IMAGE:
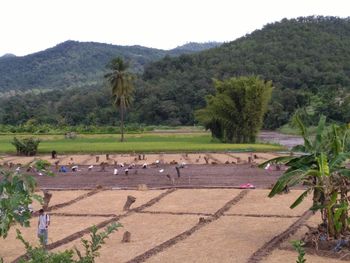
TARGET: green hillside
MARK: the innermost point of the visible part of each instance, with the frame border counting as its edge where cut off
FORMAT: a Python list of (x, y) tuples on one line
[(76, 64), (193, 47), (308, 60)]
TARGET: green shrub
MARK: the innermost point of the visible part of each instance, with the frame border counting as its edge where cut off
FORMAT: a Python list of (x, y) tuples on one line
[(90, 253), (43, 166), (26, 146)]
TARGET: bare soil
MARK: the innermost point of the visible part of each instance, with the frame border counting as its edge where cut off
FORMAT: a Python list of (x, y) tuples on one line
[(192, 176), (178, 223), (225, 240), (166, 228)]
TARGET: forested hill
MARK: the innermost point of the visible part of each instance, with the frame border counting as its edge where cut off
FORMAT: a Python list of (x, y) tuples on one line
[(193, 47), (76, 64), (308, 60)]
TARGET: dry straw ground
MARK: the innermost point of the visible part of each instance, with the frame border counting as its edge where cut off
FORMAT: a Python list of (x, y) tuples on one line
[(168, 230), (176, 225)]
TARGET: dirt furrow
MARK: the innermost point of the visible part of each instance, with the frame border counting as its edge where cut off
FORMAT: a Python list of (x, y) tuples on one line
[(175, 213), (84, 215), (70, 202), (259, 215), (272, 244), (170, 242), (102, 224)]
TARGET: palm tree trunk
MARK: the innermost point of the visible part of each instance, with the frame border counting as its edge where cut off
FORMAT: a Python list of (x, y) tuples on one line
[(122, 122)]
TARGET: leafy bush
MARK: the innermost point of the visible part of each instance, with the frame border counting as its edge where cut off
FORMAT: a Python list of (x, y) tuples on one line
[(27, 146), (15, 197), (91, 247), (43, 167)]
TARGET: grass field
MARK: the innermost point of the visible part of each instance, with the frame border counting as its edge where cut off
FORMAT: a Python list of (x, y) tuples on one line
[(102, 143)]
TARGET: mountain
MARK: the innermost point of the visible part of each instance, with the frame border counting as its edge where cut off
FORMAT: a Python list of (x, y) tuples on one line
[(8, 55), (75, 64), (193, 47), (308, 60)]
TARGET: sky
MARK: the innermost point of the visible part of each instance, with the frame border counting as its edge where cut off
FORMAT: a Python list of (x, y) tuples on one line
[(28, 26)]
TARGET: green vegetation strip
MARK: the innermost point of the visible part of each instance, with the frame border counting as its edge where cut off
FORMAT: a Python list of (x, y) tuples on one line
[(103, 143)]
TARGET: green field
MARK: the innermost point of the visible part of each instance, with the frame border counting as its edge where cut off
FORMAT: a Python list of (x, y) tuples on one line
[(103, 143)]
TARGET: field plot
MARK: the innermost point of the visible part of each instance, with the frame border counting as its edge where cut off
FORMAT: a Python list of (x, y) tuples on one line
[(194, 201), (146, 231), (313, 221), (225, 240), (59, 197), (109, 202), (178, 225), (258, 203), (60, 227)]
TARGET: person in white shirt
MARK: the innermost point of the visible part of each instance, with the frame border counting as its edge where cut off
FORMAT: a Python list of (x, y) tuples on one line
[(43, 225)]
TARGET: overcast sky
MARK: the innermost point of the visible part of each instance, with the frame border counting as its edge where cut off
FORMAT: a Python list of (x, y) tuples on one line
[(29, 26)]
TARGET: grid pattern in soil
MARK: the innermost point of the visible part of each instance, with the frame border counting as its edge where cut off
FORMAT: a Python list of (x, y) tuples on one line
[(162, 234)]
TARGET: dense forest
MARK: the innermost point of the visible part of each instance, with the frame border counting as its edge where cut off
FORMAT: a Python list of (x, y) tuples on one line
[(307, 59), (73, 64)]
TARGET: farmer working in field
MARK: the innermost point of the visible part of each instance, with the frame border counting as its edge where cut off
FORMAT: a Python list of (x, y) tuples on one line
[(43, 225)]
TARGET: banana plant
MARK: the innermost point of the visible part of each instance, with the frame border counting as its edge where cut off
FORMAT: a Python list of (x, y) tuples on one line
[(16, 194), (319, 165)]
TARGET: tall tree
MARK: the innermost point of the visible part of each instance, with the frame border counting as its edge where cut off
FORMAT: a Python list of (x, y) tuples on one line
[(122, 88), (235, 113)]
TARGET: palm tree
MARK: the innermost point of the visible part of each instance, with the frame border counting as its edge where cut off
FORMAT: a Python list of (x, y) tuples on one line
[(122, 88), (321, 169)]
